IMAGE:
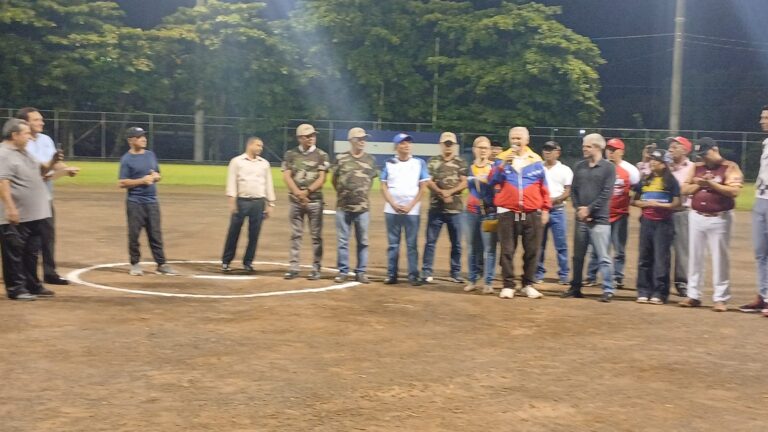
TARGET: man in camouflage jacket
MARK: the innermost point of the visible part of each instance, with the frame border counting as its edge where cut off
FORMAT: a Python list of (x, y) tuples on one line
[(353, 175), (304, 169), (448, 178)]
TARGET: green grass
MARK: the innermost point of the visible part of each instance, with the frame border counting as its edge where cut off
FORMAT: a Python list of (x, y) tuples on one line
[(105, 173)]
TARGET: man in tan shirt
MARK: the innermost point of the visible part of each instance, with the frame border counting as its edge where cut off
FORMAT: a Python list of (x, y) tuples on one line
[(251, 195)]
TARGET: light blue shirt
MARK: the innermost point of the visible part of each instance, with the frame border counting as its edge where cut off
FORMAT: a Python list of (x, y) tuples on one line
[(42, 149)]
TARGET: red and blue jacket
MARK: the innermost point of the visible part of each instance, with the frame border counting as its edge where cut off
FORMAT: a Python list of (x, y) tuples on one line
[(525, 190)]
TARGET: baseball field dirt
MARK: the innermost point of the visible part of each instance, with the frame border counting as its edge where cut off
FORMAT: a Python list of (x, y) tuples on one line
[(360, 358)]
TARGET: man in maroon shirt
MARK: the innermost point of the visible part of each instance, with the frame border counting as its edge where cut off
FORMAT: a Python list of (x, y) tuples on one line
[(713, 185)]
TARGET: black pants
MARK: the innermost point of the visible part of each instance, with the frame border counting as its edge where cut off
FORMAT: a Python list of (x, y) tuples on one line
[(528, 226), (46, 244), (253, 210), (20, 257), (147, 216), (654, 259)]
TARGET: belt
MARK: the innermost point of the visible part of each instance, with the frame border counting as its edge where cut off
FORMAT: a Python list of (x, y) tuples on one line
[(710, 214), (519, 216), (250, 199)]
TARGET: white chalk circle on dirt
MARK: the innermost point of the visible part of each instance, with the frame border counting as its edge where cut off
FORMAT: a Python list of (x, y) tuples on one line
[(75, 276)]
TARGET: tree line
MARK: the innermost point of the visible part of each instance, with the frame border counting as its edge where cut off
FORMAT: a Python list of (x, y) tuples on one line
[(466, 64)]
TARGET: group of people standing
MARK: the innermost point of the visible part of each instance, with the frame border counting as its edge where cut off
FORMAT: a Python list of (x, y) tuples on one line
[(517, 196), (29, 162), (513, 194)]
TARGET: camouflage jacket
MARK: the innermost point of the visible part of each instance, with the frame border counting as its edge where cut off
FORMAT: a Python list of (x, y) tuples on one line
[(353, 178), (446, 175), (305, 168)]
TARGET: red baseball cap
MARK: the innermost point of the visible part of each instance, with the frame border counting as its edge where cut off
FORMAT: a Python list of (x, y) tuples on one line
[(615, 143), (682, 141)]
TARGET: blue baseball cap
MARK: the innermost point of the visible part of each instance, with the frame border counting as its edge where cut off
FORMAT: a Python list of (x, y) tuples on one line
[(402, 136)]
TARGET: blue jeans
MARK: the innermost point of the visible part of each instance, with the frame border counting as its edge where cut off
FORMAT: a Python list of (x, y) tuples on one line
[(760, 237), (435, 223), (481, 259), (597, 236), (396, 223), (557, 223), (360, 222), (619, 244)]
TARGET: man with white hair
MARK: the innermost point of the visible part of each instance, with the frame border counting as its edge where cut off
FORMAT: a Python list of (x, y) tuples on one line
[(593, 182), (519, 137), (522, 203)]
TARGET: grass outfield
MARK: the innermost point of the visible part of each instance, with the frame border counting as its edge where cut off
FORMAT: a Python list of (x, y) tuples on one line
[(105, 173)]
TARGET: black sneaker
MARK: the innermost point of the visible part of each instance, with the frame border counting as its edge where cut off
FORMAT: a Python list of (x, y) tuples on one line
[(589, 283), (572, 293), (56, 280), (390, 280), (456, 279), (606, 297), (248, 268), (618, 283), (341, 278), (682, 289), (362, 278), (416, 281), (226, 268), (43, 292), (292, 274), (314, 275)]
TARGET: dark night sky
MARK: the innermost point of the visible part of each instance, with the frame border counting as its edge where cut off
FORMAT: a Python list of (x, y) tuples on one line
[(637, 73)]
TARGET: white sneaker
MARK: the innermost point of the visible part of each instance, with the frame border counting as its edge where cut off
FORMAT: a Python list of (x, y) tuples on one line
[(507, 293), (470, 287), (165, 269), (488, 289), (531, 292), (136, 270), (429, 279)]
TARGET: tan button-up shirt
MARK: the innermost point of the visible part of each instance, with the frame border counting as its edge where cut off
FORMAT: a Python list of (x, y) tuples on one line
[(250, 178)]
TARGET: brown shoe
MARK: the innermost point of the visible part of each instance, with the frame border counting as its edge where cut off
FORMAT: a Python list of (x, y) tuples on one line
[(720, 307), (690, 303)]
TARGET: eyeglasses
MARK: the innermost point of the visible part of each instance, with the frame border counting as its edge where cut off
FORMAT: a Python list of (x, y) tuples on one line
[(448, 143)]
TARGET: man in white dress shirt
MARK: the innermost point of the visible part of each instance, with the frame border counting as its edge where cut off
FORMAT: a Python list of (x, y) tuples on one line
[(251, 195)]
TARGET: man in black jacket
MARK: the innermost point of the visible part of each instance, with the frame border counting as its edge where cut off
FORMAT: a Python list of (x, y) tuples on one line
[(593, 180)]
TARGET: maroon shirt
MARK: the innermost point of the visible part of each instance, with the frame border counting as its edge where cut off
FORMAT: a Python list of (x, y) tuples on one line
[(707, 200)]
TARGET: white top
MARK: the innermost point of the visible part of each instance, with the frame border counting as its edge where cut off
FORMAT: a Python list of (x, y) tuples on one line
[(403, 179), (634, 173), (42, 149), (761, 185), (558, 177), (250, 178)]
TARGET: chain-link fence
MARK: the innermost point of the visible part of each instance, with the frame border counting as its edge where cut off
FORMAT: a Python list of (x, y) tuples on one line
[(84, 134)]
